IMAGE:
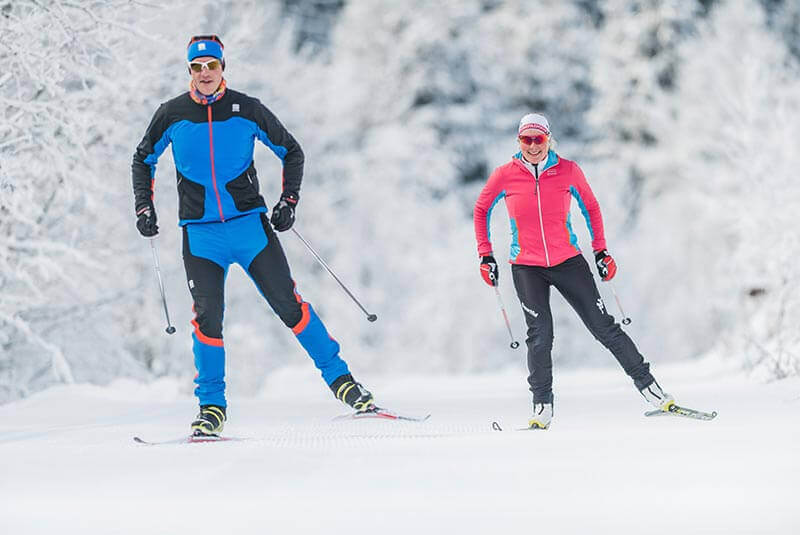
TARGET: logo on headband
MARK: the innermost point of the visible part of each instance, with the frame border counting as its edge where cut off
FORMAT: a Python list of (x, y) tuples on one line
[(535, 126), (201, 46)]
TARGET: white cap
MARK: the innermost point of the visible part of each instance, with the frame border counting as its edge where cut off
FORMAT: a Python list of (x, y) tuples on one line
[(535, 121)]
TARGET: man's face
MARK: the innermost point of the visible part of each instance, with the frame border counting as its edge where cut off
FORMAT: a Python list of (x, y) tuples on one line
[(206, 74)]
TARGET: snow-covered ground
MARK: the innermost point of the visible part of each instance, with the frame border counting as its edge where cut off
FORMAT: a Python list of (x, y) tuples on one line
[(68, 463)]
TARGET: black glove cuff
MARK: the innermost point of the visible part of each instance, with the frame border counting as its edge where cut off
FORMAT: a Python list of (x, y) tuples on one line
[(290, 197), (142, 208)]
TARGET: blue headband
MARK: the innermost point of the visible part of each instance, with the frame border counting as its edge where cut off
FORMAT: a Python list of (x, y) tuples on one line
[(204, 48)]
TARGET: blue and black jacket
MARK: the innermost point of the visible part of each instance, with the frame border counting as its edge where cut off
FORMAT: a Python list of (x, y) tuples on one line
[(212, 145)]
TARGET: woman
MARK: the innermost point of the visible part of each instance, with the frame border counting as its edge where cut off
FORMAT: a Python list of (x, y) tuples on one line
[(537, 185)]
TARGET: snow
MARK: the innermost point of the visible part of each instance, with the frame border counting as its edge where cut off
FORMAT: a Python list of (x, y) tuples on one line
[(68, 461)]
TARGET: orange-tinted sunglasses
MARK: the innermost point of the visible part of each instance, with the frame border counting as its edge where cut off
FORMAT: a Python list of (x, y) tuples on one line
[(533, 140)]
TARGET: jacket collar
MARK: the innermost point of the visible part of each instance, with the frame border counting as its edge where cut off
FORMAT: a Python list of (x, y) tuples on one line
[(200, 98), (551, 160)]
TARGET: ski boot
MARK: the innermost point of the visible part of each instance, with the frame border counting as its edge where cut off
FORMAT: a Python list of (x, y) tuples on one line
[(657, 397), (348, 391), (210, 421), (542, 416)]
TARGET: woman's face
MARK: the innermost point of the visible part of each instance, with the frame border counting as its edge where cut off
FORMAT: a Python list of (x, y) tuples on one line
[(533, 144)]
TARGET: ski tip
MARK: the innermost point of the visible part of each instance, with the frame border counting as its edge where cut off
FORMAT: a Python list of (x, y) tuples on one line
[(139, 440)]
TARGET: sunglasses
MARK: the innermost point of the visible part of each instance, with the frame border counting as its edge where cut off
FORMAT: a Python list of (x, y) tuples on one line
[(533, 140), (211, 65)]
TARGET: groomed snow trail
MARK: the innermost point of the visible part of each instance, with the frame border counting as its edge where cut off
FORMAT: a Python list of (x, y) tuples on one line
[(68, 463)]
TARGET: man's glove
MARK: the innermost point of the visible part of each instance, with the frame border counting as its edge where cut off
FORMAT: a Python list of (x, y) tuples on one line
[(606, 266), (489, 270), (146, 221), (283, 213)]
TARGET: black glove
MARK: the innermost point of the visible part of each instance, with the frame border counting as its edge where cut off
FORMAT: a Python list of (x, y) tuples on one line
[(283, 213), (146, 221), (489, 270), (606, 266)]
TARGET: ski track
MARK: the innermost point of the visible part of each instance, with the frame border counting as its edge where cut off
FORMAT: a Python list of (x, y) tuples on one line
[(68, 461)]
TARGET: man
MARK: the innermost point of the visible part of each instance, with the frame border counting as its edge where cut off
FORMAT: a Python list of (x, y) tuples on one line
[(213, 130)]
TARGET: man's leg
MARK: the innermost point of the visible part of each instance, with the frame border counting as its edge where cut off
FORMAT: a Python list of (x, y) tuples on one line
[(574, 281), (206, 279), (534, 296), (270, 272)]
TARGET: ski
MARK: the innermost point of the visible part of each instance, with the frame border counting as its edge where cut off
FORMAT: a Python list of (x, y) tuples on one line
[(677, 410), (190, 439), (496, 427), (382, 414)]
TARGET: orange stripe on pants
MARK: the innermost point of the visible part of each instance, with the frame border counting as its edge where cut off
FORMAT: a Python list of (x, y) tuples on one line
[(304, 319), (216, 342)]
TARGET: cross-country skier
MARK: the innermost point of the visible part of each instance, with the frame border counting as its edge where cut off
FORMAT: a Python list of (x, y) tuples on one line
[(537, 185), (212, 130)]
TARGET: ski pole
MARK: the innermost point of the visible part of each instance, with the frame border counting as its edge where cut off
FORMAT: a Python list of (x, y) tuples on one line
[(625, 319), (514, 343), (170, 328), (370, 317)]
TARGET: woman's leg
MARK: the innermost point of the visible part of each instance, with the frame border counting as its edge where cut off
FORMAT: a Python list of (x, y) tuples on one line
[(574, 281), (533, 291)]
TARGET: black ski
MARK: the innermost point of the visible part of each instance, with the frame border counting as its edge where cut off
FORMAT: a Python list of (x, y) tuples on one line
[(677, 410)]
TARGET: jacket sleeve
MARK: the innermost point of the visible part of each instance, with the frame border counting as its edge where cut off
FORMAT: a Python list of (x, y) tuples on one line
[(143, 169), (490, 195), (275, 136), (590, 208)]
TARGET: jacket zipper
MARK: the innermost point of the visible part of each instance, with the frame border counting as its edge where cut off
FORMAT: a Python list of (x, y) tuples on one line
[(213, 172), (541, 220)]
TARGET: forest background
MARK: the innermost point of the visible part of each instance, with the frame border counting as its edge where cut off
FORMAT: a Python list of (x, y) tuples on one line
[(684, 115)]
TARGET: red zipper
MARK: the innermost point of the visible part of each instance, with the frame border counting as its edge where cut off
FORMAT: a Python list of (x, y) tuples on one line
[(213, 173)]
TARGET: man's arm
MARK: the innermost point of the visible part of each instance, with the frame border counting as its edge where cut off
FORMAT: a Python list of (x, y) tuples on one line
[(275, 136), (143, 168)]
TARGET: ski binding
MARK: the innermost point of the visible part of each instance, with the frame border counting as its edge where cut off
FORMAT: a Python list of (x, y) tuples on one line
[(677, 410)]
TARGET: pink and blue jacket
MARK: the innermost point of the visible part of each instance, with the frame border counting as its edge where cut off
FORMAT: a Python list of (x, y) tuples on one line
[(538, 209)]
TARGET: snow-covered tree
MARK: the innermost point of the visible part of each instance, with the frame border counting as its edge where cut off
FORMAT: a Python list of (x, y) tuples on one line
[(403, 109), (63, 274), (737, 119)]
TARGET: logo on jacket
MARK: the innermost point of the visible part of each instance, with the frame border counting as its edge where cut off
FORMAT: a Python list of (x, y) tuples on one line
[(235, 108)]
